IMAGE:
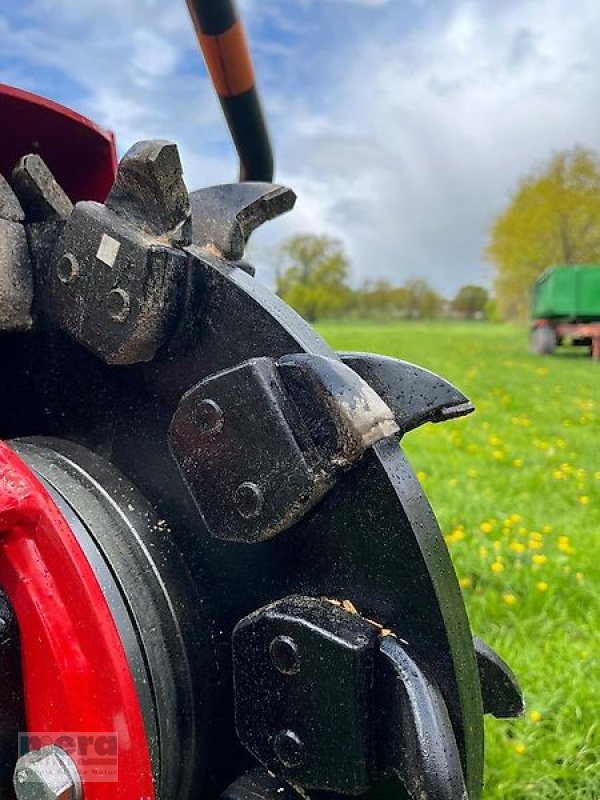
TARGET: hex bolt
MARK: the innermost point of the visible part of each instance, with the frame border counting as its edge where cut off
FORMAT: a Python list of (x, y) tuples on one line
[(249, 500), (47, 774), (284, 655), (208, 417), (118, 305), (288, 749), (67, 268)]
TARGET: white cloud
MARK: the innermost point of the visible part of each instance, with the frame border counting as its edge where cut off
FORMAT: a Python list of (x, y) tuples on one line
[(428, 134), (404, 138)]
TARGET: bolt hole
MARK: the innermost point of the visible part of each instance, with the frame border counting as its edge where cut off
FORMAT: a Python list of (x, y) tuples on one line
[(288, 749), (208, 417), (248, 500), (67, 268), (284, 655), (118, 305)]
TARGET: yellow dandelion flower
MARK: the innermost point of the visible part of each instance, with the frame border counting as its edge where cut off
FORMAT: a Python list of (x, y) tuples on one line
[(580, 578), (486, 527), (498, 547), (421, 475), (584, 500), (494, 441), (565, 547), (558, 474), (597, 476), (452, 483), (483, 552), (509, 599), (539, 559), (464, 583), (547, 529), (518, 463), (517, 547), (536, 536), (535, 716), (541, 586), (515, 518), (497, 567), (519, 749), (499, 455), (535, 544)]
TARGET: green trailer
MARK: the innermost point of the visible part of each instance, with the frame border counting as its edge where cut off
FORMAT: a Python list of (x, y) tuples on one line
[(565, 307)]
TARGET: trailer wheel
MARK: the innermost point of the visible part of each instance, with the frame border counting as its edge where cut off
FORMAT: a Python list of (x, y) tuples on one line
[(543, 341)]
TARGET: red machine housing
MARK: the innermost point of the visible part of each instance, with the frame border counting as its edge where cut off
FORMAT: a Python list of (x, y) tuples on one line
[(81, 154)]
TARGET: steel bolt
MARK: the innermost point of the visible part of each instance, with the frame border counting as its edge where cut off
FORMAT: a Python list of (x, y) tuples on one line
[(118, 305), (288, 749), (208, 417), (47, 774), (284, 655), (67, 268), (248, 500)]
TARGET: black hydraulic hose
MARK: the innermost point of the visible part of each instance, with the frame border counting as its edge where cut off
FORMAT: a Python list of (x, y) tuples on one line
[(223, 41)]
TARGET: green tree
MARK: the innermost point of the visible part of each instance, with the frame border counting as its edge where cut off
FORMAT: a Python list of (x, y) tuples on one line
[(471, 301), (553, 218), (423, 301), (380, 299), (313, 275)]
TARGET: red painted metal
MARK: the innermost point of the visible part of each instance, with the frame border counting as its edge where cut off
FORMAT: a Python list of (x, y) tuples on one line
[(582, 330), (81, 155), (75, 670)]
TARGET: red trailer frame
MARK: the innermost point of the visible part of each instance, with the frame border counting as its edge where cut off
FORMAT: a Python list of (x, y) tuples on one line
[(575, 330)]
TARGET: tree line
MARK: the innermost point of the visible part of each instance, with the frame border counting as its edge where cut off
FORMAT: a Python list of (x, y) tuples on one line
[(552, 218), (313, 276)]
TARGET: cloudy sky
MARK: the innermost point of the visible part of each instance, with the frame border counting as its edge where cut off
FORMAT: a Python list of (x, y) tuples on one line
[(403, 125)]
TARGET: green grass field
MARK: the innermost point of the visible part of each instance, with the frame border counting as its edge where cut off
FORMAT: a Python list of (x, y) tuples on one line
[(516, 489)]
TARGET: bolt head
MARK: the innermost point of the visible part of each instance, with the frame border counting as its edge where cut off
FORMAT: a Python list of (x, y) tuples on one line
[(46, 774)]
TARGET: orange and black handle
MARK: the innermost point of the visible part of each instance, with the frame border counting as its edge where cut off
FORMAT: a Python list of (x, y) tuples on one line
[(225, 47)]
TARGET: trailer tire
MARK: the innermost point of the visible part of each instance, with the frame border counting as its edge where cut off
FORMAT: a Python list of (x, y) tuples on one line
[(543, 340)]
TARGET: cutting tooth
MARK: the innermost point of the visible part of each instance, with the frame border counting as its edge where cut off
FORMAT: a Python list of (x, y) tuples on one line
[(418, 742), (500, 690), (414, 394), (225, 216)]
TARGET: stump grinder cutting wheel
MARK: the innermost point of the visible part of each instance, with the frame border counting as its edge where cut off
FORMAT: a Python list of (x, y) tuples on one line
[(219, 576)]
